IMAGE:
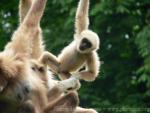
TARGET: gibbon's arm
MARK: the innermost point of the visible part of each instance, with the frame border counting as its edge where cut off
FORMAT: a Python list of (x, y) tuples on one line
[(24, 6), (82, 19), (35, 13), (92, 68), (51, 60)]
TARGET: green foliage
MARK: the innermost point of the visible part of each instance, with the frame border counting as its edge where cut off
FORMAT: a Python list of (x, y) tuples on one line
[(123, 27)]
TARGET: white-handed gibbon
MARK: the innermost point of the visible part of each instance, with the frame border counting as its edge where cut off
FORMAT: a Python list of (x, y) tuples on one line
[(81, 52), (16, 68)]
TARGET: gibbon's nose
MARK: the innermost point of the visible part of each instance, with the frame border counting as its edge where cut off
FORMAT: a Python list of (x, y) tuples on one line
[(85, 44)]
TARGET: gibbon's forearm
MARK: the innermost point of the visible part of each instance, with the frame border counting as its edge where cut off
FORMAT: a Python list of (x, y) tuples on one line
[(82, 19), (35, 13), (87, 75), (24, 6)]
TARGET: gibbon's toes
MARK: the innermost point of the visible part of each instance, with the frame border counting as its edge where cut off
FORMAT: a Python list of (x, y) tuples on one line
[(27, 107)]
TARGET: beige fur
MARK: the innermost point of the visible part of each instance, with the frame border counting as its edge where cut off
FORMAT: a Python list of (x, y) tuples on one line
[(19, 69), (16, 66), (72, 58)]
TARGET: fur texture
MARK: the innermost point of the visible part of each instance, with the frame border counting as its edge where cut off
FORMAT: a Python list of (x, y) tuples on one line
[(81, 52), (16, 66)]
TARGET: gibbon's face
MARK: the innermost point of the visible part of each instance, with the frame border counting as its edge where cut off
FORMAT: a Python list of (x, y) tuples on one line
[(89, 41)]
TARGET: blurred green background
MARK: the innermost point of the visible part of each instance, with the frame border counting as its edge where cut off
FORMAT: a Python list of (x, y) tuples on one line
[(124, 30)]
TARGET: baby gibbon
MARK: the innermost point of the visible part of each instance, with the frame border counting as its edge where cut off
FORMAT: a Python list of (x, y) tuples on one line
[(81, 52)]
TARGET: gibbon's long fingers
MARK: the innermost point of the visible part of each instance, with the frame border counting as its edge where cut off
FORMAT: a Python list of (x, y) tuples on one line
[(24, 7), (50, 60), (35, 13), (82, 19), (65, 104)]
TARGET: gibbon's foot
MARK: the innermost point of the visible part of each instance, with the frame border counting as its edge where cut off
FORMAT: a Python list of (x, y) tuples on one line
[(71, 83), (27, 107), (66, 104)]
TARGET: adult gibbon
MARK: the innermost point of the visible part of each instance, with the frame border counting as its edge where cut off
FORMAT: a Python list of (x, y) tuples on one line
[(16, 68)]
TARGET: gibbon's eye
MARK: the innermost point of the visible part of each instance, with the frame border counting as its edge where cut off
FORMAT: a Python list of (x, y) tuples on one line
[(33, 68), (41, 69), (85, 44)]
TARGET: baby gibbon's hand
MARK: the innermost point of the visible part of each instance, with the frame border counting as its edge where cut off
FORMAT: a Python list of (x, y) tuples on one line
[(70, 84)]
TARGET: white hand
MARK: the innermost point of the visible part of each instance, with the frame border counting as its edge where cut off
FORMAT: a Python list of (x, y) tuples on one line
[(71, 83)]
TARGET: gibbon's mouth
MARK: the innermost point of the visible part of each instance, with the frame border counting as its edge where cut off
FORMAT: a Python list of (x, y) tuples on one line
[(85, 44)]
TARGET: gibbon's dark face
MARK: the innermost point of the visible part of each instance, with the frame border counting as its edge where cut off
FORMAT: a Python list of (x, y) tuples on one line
[(85, 44)]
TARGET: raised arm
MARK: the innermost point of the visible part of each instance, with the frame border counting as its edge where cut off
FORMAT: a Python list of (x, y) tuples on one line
[(24, 6), (82, 19), (35, 13)]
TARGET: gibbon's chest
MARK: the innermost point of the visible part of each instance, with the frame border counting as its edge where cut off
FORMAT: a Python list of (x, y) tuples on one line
[(73, 62)]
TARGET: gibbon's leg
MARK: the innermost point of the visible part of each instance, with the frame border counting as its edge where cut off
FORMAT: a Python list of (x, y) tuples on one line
[(61, 87), (24, 6), (82, 19), (92, 71), (65, 104), (50, 60), (84, 110)]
